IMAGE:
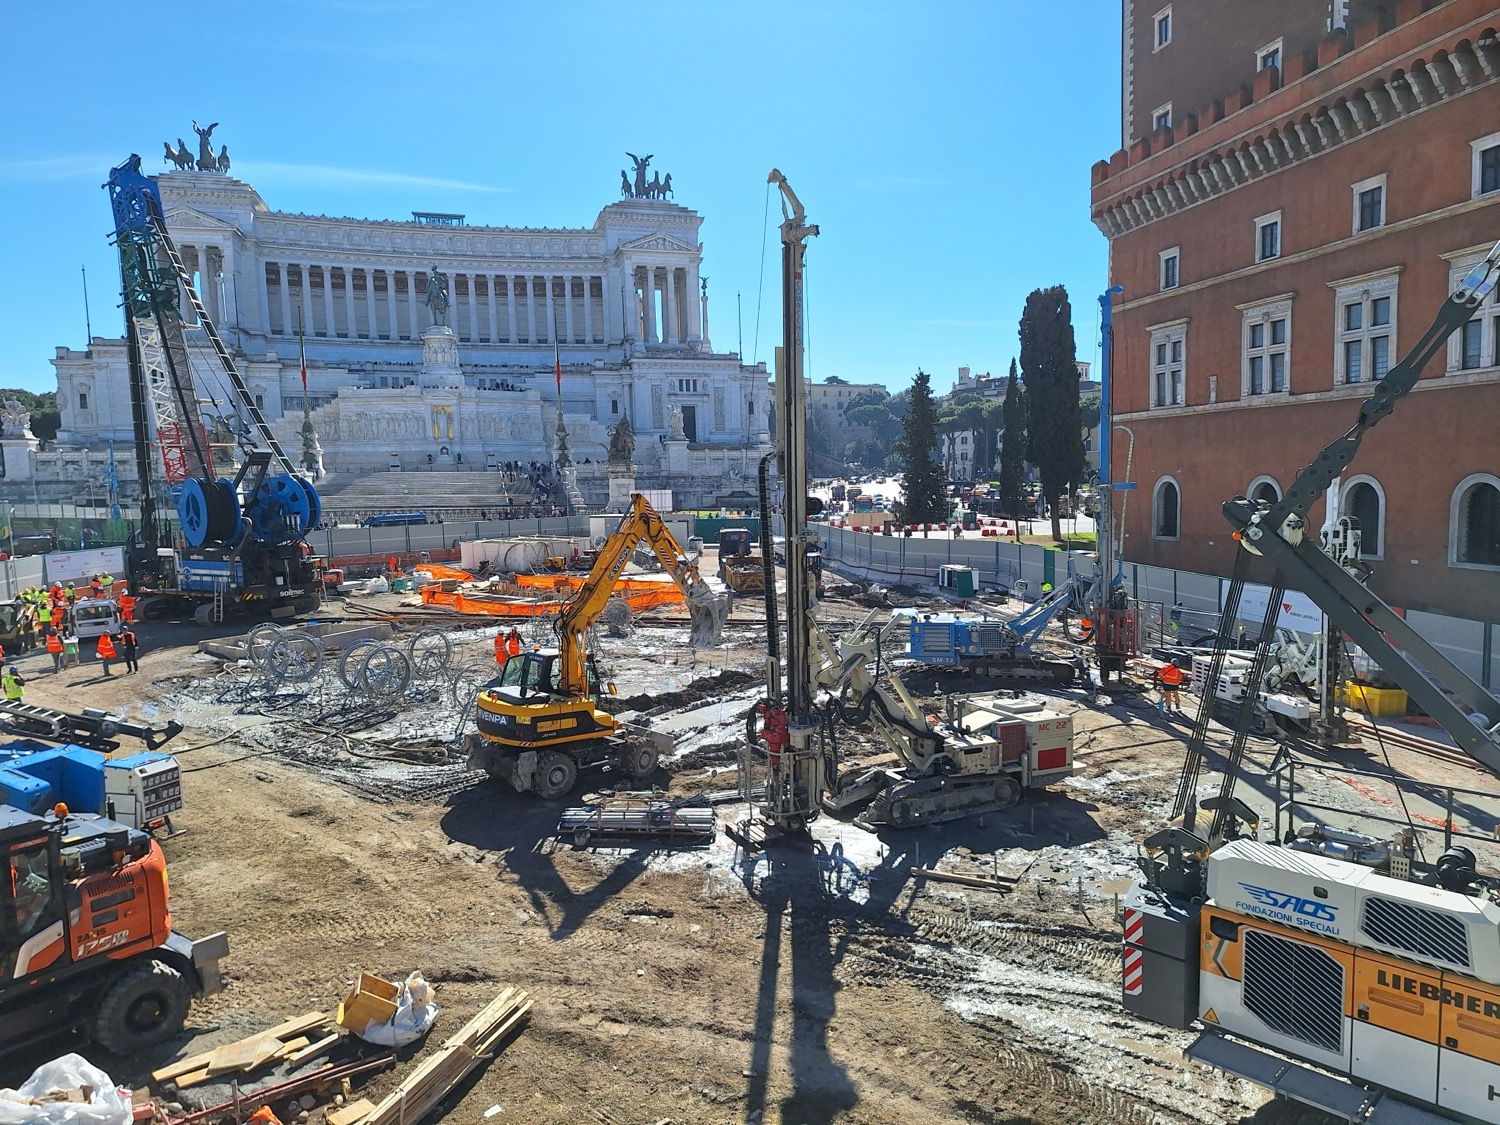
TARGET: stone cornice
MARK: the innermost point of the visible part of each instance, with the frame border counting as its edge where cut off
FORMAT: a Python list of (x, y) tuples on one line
[(1220, 159)]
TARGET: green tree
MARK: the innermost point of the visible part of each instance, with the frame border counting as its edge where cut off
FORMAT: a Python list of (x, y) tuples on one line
[(1013, 444), (1049, 364), (924, 489)]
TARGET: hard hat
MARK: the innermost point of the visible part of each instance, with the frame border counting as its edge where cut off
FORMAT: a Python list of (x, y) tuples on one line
[(13, 670)]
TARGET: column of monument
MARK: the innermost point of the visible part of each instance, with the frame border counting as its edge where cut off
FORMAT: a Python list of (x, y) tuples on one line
[(669, 310)]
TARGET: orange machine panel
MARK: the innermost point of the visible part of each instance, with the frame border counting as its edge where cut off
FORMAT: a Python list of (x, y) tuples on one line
[(1397, 997)]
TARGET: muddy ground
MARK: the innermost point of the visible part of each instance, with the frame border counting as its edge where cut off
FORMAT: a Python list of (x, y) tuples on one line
[(810, 983)]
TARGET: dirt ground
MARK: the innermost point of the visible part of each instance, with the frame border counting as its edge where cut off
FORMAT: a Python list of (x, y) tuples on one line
[(810, 983)]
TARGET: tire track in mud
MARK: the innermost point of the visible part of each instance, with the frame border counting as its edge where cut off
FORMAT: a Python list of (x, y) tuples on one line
[(1044, 1001)]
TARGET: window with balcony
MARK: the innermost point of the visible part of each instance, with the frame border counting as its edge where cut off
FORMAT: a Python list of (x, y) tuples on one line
[(1168, 365), (1266, 347), (1366, 330), (1476, 345), (1369, 203)]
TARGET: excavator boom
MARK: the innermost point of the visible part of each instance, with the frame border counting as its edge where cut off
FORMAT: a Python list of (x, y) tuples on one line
[(706, 609)]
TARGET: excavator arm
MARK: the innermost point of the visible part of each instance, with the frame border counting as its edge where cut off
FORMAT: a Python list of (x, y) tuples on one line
[(843, 669), (706, 609)]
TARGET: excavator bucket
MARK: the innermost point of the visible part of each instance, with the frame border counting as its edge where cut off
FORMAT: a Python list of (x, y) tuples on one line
[(707, 612)]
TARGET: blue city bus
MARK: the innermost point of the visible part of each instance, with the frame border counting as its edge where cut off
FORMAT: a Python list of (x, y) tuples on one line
[(396, 519)]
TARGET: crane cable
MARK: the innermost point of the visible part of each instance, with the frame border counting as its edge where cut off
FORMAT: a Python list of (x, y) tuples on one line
[(760, 288)]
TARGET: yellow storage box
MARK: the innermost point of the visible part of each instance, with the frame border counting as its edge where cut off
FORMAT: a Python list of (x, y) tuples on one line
[(1381, 703), (372, 1000)]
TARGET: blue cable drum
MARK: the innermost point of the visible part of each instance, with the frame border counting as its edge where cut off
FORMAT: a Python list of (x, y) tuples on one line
[(194, 512), (281, 501), (315, 504)]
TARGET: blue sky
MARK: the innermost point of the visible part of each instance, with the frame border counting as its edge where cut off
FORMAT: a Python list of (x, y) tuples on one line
[(944, 148)]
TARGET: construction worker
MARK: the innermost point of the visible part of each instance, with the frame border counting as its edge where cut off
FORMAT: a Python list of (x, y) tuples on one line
[(55, 647), (12, 684), (96, 588), (127, 606), (106, 651), (129, 647), (1169, 679), (71, 594), (513, 642), (501, 655), (57, 617)]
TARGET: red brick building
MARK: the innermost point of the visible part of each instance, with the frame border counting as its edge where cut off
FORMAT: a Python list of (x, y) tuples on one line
[(1282, 240)]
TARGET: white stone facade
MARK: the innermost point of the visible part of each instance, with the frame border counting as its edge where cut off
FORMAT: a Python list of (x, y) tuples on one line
[(622, 299)]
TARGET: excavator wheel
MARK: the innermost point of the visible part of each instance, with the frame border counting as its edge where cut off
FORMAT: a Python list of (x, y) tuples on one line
[(639, 761), (144, 1006), (555, 775)]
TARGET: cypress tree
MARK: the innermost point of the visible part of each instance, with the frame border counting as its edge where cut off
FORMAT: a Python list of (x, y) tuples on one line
[(1049, 364), (1013, 445), (924, 493)]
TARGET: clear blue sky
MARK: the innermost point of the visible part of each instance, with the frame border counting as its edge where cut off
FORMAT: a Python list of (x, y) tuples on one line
[(944, 148)]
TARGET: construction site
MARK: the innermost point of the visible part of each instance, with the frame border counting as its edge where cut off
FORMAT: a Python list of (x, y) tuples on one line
[(639, 822)]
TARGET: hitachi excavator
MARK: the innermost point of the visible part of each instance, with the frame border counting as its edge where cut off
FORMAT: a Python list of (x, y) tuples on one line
[(542, 722)]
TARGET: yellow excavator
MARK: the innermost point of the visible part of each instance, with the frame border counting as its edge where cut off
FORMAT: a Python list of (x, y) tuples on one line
[(541, 723)]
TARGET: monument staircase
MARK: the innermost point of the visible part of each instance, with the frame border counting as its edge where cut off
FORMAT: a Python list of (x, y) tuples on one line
[(430, 492)]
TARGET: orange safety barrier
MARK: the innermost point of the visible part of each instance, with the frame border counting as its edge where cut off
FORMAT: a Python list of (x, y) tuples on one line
[(638, 595), (440, 572)]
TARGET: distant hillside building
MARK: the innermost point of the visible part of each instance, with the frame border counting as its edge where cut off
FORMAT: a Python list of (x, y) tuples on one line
[(1300, 186), (958, 447)]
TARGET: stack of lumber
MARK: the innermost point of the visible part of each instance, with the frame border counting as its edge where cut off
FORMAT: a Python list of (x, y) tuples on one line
[(286, 1041), (446, 1067)]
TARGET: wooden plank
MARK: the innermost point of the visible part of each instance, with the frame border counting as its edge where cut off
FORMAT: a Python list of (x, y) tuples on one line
[(247, 1054), (352, 1113), (292, 1046), (981, 882), (281, 1031), (313, 1050)]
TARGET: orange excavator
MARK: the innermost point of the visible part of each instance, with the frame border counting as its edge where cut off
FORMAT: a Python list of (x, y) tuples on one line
[(542, 722), (86, 937)]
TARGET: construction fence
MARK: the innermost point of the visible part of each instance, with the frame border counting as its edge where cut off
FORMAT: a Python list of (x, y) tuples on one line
[(1469, 644)]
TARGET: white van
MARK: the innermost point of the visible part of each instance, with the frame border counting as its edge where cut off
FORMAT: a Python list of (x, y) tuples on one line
[(93, 617)]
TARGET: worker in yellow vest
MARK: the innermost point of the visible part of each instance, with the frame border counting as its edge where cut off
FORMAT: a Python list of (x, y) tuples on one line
[(12, 684)]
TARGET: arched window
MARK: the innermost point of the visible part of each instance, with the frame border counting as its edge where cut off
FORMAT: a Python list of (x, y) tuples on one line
[(1364, 500), (1166, 510), (1265, 489), (1474, 522)]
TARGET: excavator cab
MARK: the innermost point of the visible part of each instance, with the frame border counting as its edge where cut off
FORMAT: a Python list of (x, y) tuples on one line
[(31, 901), (532, 676)]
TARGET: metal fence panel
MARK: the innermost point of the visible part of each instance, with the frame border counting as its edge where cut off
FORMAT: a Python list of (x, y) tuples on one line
[(1459, 639)]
